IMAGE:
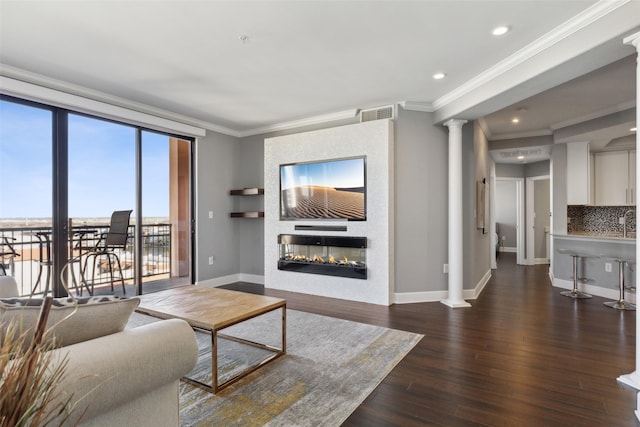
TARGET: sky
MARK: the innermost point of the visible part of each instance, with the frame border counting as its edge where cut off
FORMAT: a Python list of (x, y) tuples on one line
[(101, 172)]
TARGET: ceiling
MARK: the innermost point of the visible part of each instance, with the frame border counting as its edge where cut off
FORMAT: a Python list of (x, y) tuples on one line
[(603, 92), (243, 67)]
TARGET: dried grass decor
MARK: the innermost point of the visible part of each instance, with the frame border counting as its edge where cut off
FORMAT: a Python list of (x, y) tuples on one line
[(29, 377)]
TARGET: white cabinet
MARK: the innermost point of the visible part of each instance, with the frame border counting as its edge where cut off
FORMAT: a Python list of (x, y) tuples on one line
[(579, 187), (615, 177), (632, 177)]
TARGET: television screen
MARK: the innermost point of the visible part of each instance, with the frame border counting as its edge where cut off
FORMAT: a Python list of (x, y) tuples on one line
[(332, 189)]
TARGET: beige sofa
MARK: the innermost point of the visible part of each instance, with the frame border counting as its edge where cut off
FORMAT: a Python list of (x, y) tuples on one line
[(130, 377), (114, 376)]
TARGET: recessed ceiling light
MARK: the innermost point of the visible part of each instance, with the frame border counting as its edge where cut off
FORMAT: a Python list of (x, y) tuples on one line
[(439, 76), (633, 129), (520, 157), (515, 120), (498, 31)]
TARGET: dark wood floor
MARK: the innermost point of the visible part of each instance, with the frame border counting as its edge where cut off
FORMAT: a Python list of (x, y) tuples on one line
[(523, 355)]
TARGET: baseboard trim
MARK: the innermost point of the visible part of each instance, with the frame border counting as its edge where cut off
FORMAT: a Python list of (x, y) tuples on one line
[(251, 278), (414, 297), (508, 249), (475, 292), (537, 261), (232, 278), (612, 294), (437, 296)]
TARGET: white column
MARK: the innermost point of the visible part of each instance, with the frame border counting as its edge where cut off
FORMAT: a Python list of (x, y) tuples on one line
[(633, 379), (454, 298)]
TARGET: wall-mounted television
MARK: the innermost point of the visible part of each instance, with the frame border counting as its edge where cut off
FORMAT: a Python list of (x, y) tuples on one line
[(328, 189)]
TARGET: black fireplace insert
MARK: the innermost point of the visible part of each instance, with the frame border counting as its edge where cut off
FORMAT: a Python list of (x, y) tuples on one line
[(342, 256)]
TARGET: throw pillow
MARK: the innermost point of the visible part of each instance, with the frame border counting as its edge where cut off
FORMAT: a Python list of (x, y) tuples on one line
[(70, 320)]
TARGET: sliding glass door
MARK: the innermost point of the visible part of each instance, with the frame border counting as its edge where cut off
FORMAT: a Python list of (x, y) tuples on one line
[(101, 180), (166, 209), (62, 176), (26, 134)]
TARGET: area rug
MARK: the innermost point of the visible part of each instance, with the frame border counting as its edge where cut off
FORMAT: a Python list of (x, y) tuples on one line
[(330, 367)]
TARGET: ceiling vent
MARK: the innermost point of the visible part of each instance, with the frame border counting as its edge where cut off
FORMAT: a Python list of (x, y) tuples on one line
[(514, 153), (387, 112)]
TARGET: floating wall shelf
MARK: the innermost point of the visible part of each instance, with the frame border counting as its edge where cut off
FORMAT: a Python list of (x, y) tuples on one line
[(247, 192), (257, 214)]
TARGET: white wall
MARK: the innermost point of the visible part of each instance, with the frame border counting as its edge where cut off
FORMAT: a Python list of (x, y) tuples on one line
[(375, 141)]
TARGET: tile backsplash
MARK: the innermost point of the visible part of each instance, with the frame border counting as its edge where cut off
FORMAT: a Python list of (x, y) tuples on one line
[(599, 219)]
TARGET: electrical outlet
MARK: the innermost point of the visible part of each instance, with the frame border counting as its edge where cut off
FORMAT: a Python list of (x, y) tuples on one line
[(504, 238), (210, 214), (607, 267), (445, 268), (621, 220), (211, 260)]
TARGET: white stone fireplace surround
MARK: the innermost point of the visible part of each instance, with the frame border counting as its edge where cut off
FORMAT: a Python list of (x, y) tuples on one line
[(372, 139)]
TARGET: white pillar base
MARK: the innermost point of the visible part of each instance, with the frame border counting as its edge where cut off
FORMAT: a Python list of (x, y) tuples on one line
[(632, 380), (455, 304)]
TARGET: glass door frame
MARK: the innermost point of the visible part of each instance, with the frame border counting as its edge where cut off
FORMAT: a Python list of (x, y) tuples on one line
[(60, 190)]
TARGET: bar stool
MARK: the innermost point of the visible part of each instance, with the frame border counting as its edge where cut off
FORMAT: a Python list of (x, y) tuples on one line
[(44, 261), (577, 257), (621, 304)]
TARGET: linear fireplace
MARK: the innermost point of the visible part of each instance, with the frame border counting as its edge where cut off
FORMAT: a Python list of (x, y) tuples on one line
[(329, 255)]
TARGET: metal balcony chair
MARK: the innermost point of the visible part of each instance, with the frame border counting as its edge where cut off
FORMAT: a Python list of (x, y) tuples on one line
[(7, 252), (109, 242)]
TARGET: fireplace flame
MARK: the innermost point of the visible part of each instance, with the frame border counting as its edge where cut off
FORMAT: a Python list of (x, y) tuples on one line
[(318, 259)]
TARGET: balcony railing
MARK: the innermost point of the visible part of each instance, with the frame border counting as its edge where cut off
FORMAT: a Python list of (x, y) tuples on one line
[(32, 268)]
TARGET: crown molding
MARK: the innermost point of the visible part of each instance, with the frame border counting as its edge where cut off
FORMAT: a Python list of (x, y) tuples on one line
[(340, 115), (596, 115), (633, 39), (529, 134), (84, 92), (425, 107), (576, 23)]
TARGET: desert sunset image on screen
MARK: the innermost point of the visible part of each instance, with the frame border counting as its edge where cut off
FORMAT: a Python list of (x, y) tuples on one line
[(332, 189)]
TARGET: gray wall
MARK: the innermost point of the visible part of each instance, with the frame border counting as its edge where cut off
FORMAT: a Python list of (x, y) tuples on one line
[(476, 166), (536, 169), (421, 227), (506, 211), (216, 157), (250, 232), (509, 170), (541, 197)]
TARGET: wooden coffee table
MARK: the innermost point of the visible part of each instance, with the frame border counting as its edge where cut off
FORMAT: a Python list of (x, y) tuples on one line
[(211, 310)]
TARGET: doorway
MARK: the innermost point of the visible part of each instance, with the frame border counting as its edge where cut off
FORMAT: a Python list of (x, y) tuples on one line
[(509, 217), (538, 219)]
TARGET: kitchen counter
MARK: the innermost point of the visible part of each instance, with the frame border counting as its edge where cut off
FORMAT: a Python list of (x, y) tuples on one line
[(600, 250), (598, 237)]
